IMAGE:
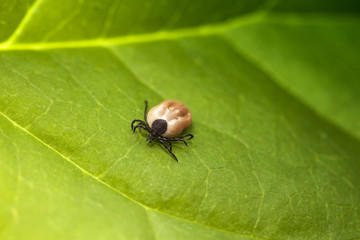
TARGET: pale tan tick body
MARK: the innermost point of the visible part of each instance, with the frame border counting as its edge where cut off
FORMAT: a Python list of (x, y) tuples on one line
[(175, 113)]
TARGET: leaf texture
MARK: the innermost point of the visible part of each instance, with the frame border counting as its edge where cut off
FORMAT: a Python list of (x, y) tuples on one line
[(276, 147)]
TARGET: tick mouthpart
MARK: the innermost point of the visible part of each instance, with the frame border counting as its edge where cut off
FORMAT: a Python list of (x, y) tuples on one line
[(150, 138)]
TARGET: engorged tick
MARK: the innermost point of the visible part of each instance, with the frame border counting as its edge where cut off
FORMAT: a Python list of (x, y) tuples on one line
[(164, 122)]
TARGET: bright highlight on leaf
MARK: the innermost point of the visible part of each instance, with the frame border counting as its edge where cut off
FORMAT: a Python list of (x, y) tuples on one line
[(274, 95)]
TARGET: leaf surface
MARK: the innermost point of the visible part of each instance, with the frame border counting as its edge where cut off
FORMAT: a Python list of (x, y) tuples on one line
[(269, 159)]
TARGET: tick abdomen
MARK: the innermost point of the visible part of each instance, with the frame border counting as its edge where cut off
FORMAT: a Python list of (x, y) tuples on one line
[(176, 115)]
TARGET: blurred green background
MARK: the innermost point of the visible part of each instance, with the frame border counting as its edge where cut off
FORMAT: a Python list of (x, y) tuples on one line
[(274, 91)]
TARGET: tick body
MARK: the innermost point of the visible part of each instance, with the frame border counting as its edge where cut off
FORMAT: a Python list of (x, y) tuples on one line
[(165, 122)]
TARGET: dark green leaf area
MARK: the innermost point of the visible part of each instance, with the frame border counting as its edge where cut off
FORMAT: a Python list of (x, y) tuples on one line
[(259, 156)]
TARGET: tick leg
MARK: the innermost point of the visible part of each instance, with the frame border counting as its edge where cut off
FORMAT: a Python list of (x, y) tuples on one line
[(187, 135), (136, 120), (169, 150), (178, 139), (145, 112), (170, 144), (137, 126), (132, 126), (140, 125)]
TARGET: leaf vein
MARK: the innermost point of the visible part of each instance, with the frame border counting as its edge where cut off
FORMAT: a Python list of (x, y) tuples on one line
[(202, 30), (23, 23)]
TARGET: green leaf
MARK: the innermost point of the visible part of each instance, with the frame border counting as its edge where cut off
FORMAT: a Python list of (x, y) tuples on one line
[(326, 78), (11, 13), (274, 99)]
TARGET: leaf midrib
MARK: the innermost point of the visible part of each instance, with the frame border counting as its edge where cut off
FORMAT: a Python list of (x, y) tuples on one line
[(202, 30)]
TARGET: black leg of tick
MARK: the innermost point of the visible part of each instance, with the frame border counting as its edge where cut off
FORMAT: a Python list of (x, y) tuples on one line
[(181, 138), (167, 148), (170, 145), (178, 139), (136, 120), (141, 125), (187, 135), (145, 112)]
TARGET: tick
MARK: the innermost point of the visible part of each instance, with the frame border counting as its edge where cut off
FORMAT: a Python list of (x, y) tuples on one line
[(165, 122)]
